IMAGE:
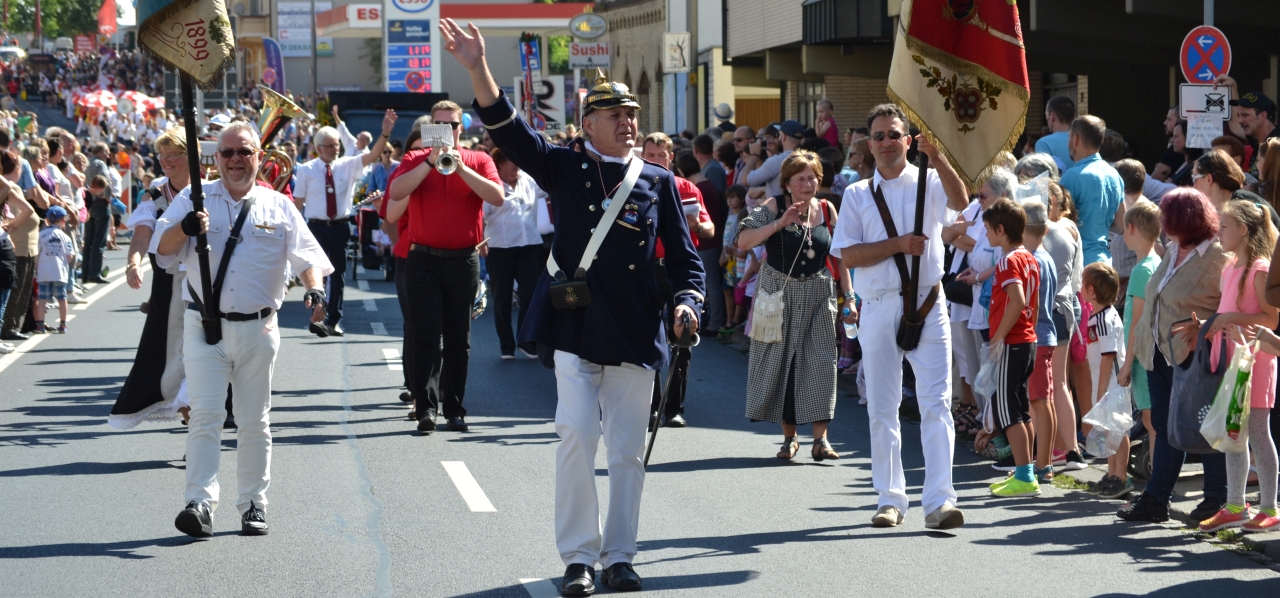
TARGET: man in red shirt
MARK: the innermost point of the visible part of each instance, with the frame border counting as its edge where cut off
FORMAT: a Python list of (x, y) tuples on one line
[(400, 253), (657, 149), (442, 271)]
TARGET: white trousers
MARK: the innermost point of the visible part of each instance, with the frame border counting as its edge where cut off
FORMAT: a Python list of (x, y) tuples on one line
[(244, 358), (931, 362), (591, 398)]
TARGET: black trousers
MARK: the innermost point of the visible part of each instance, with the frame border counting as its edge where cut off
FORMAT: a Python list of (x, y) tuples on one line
[(506, 266), (675, 400), (333, 239), (95, 243), (402, 294), (15, 314), (441, 292)]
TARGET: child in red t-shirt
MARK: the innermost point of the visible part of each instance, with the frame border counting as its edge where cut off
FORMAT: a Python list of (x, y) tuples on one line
[(1013, 326)]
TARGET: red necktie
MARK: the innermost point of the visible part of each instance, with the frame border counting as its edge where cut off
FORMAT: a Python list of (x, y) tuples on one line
[(330, 198)]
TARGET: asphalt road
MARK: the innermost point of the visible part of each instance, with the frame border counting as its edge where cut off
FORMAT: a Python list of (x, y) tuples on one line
[(360, 505)]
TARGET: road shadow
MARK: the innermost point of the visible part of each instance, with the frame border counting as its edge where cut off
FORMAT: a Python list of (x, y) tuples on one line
[(86, 468), (715, 463), (122, 550)]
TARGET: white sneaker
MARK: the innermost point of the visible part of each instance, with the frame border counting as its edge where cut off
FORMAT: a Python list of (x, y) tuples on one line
[(6, 348), (74, 299)]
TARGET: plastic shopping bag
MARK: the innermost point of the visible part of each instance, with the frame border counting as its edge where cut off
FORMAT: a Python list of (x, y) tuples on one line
[(1111, 419), (984, 388), (1230, 411)]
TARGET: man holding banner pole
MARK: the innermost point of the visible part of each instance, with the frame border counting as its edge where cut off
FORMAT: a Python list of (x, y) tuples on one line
[(951, 62)]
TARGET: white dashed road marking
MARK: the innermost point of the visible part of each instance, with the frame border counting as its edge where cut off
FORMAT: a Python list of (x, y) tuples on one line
[(363, 284), (393, 360), (378, 328), (467, 487), (369, 305)]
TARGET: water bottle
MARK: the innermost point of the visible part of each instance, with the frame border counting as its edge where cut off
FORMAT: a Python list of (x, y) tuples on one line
[(850, 330)]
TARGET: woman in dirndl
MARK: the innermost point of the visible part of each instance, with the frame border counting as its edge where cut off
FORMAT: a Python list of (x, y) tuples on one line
[(155, 387), (791, 376)]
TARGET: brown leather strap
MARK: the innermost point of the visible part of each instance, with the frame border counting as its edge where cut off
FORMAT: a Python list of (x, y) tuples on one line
[(927, 305), (908, 297)]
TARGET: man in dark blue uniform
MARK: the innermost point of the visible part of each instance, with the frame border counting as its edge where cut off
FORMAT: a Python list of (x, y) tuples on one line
[(605, 352)]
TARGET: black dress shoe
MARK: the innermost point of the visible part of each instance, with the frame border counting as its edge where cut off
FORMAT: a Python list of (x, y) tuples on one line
[(620, 577), (253, 522), (1145, 508), (426, 426), (677, 421), (457, 424), (319, 329), (1207, 508), (406, 397), (579, 580), (195, 520), (336, 329), (13, 335), (413, 414)]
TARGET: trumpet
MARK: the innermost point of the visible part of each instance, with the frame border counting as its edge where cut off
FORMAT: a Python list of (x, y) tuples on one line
[(440, 139), (448, 161)]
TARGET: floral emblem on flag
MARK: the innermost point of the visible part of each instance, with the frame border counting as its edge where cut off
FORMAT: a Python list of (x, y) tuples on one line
[(960, 96)]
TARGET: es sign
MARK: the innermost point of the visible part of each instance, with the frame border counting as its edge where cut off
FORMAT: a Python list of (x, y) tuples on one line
[(585, 55)]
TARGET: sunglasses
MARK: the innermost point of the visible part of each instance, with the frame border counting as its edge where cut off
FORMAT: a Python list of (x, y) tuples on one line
[(892, 135), (740, 139), (453, 125), (1196, 177), (243, 152)]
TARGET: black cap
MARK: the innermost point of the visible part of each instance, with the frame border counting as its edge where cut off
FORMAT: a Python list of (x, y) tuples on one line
[(792, 128), (608, 94), (1258, 101)]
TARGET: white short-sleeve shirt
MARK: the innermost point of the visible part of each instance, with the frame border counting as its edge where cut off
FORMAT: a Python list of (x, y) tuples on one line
[(310, 187), (860, 222)]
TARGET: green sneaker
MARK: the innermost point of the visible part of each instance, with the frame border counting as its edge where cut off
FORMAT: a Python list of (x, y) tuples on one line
[(1015, 487), (1001, 483)]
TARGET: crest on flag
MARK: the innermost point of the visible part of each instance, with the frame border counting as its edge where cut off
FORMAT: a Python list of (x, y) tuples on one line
[(959, 71), (192, 36)]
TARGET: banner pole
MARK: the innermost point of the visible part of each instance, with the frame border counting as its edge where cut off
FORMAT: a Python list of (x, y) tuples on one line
[(197, 199)]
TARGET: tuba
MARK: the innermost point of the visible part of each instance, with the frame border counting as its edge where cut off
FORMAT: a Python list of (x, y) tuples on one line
[(277, 111)]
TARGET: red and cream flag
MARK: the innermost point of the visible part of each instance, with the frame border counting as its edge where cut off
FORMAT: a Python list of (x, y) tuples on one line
[(960, 72)]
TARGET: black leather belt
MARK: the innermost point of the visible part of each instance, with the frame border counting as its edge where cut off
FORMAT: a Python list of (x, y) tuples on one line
[(235, 317), (468, 252), (323, 222)]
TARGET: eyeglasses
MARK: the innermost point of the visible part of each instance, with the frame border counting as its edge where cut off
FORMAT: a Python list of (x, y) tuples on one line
[(453, 125), (168, 156), (332, 146), (386, 152), (892, 135), (740, 139), (243, 152)]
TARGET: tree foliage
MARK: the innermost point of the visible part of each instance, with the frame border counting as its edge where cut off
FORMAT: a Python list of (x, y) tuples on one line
[(59, 18)]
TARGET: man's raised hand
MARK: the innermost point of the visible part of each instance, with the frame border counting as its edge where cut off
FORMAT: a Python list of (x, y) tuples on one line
[(468, 49)]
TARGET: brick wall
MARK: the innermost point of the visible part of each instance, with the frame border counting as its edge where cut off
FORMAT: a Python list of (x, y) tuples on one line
[(1035, 103), (853, 98), (635, 31)]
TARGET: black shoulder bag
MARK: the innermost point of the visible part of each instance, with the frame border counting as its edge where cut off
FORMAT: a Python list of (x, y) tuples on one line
[(210, 312)]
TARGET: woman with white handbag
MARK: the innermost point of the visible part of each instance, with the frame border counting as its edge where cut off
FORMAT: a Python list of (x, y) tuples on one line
[(791, 376)]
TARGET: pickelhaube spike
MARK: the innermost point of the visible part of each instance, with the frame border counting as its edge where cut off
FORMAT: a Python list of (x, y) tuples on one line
[(608, 94)]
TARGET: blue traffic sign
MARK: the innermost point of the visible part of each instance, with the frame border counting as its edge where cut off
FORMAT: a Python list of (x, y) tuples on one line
[(1205, 54)]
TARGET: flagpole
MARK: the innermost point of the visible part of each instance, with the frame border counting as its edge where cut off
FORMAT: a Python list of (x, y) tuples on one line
[(921, 178), (197, 205)]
